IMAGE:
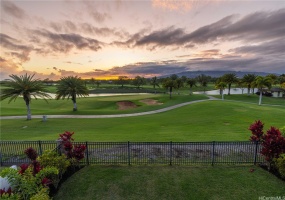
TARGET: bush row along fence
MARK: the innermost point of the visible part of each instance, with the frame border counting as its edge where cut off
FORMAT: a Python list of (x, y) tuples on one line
[(172, 153)]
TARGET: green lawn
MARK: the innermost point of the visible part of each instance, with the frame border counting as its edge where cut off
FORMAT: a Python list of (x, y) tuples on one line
[(93, 105), (204, 121), (254, 99), (166, 182)]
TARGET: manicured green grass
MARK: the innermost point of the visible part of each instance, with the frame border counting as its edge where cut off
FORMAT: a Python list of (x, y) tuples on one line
[(253, 98), (204, 121), (113, 88), (93, 105), (157, 182)]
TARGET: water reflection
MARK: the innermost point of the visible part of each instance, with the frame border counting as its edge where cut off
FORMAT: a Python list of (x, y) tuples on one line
[(233, 91)]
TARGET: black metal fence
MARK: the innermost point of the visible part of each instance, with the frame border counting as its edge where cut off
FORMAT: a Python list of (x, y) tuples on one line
[(172, 153)]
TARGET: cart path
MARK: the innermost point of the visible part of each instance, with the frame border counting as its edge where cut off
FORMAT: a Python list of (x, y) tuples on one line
[(110, 116)]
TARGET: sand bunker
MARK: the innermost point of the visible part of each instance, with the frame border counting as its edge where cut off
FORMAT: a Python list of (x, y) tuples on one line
[(124, 105), (150, 102)]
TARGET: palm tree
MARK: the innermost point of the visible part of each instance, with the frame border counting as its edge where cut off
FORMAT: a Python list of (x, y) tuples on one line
[(262, 82), (221, 86), (191, 82), (248, 79), (229, 79), (71, 86), (169, 83), (203, 80), (154, 82), (26, 87)]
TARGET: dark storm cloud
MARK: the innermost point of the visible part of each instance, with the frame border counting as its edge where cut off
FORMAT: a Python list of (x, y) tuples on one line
[(65, 42), (11, 9), (258, 26), (272, 48)]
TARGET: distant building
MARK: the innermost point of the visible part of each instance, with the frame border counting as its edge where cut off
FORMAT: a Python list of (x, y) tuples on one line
[(276, 92)]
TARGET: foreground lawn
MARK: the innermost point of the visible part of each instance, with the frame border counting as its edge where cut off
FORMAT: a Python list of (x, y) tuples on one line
[(157, 182), (204, 121), (93, 105)]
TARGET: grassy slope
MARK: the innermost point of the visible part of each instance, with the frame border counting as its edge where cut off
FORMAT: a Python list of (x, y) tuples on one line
[(254, 99), (205, 121), (157, 182)]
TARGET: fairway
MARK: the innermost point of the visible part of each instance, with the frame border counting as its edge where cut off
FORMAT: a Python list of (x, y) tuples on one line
[(204, 121)]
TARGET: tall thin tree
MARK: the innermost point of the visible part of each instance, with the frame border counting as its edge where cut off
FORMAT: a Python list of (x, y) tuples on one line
[(71, 87), (26, 87)]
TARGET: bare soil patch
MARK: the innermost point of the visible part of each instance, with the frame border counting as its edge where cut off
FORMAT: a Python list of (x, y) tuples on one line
[(124, 105), (150, 102)]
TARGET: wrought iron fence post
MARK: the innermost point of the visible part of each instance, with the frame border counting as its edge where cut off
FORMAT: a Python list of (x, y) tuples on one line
[(255, 154), (170, 163), (213, 153), (40, 147), (87, 153), (129, 154)]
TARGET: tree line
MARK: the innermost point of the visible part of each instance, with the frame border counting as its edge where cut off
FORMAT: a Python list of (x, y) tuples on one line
[(71, 87)]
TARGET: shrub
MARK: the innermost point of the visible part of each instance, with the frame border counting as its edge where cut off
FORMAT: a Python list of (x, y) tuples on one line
[(53, 159), (280, 165), (26, 184), (273, 143), (41, 195), (73, 152)]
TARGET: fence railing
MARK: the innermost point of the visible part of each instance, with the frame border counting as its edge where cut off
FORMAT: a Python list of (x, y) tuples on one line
[(172, 153)]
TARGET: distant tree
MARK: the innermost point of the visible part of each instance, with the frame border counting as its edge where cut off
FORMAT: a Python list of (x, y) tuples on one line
[(180, 84), (26, 87), (154, 82), (229, 79), (98, 83), (70, 87), (139, 81), (281, 79), (169, 83), (274, 79), (174, 77), (203, 81), (122, 80), (262, 82), (92, 81), (184, 79), (221, 86), (240, 84), (191, 82), (248, 80)]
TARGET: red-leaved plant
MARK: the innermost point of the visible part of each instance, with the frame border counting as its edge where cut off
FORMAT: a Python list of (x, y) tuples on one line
[(70, 150), (8, 192), (273, 143)]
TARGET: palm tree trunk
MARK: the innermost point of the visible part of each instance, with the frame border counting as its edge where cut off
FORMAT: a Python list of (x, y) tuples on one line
[(29, 115), (190, 91), (260, 97), (229, 92), (248, 90), (222, 94), (74, 103), (170, 92)]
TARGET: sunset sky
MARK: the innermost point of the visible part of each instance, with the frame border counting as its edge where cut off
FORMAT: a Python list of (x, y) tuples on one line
[(105, 39)]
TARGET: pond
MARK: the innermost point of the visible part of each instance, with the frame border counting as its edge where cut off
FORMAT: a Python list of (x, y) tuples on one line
[(233, 91)]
